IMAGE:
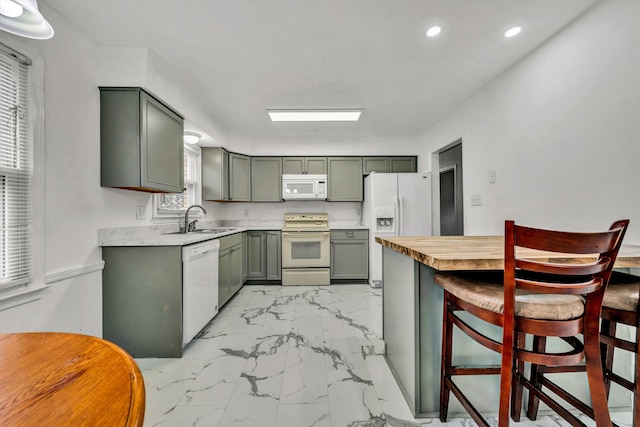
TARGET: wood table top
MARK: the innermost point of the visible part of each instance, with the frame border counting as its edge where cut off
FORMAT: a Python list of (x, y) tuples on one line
[(60, 379), (449, 253)]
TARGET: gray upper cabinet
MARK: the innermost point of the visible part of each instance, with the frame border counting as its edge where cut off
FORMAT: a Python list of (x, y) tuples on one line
[(403, 164), (141, 142), (302, 165), (215, 174), (389, 164), (375, 164), (266, 179), (239, 178), (345, 179)]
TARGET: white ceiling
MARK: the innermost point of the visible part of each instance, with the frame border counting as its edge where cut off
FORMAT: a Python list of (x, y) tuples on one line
[(242, 57)]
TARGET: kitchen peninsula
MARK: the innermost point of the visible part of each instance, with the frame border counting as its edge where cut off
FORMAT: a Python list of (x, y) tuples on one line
[(412, 316)]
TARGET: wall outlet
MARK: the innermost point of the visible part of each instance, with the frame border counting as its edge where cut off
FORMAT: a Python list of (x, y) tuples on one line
[(141, 212), (476, 200), (492, 177), (358, 211), (246, 213)]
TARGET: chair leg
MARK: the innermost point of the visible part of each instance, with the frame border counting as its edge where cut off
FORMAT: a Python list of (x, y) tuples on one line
[(608, 328), (636, 384), (516, 390), (447, 349), (537, 372), (595, 375), (506, 371)]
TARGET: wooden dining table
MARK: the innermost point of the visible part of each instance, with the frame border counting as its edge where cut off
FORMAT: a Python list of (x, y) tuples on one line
[(412, 310), (64, 379)]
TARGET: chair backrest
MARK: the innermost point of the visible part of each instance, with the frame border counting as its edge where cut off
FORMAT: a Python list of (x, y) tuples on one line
[(555, 274)]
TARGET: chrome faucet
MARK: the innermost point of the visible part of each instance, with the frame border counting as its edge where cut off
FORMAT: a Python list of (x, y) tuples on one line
[(186, 218)]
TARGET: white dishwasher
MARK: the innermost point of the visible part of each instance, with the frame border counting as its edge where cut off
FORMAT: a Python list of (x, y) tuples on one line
[(199, 287)]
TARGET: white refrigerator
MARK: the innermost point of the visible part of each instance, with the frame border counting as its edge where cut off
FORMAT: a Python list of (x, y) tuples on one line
[(395, 204)]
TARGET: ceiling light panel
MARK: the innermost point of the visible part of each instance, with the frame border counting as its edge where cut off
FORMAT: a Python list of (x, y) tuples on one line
[(314, 115)]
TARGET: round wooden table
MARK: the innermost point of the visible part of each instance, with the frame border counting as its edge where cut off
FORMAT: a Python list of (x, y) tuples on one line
[(60, 379)]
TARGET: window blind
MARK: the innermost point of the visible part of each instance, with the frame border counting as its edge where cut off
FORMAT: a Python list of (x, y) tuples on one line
[(16, 170)]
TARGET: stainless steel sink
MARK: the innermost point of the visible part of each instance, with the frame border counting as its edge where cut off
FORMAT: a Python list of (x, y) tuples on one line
[(205, 231), (214, 230)]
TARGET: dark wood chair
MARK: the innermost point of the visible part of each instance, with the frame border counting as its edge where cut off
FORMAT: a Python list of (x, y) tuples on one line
[(543, 295), (619, 307)]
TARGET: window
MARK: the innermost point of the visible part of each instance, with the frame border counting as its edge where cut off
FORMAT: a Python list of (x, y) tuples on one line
[(168, 205), (16, 170)]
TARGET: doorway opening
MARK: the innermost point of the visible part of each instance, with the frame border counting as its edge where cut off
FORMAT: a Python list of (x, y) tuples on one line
[(451, 199)]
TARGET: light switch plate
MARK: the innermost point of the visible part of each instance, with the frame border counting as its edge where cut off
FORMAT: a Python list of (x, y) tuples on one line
[(492, 177)]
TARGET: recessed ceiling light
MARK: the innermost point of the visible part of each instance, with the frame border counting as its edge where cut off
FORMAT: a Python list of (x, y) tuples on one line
[(191, 137), (314, 115), (513, 31), (433, 31)]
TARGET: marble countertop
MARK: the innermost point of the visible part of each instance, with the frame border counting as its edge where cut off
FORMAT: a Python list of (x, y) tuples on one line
[(157, 235)]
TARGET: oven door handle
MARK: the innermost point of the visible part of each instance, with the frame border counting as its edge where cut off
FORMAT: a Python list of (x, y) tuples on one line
[(320, 234)]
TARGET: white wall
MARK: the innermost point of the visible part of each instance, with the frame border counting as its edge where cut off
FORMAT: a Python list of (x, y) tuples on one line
[(349, 212), (560, 128)]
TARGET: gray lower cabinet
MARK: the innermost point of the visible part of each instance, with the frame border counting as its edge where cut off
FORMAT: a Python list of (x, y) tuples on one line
[(389, 164), (265, 255), (141, 142), (274, 255), (142, 299), (245, 255), (349, 255), (230, 268), (215, 174), (256, 255), (345, 179), (266, 179)]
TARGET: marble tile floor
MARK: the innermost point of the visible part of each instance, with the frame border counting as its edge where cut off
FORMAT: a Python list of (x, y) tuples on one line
[(291, 356)]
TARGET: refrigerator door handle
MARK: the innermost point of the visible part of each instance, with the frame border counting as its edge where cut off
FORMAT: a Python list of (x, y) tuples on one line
[(396, 208)]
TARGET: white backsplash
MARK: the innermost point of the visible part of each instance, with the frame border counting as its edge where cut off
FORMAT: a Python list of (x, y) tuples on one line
[(340, 213)]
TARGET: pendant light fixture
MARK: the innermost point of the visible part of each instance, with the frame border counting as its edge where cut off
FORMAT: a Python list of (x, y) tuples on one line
[(22, 18)]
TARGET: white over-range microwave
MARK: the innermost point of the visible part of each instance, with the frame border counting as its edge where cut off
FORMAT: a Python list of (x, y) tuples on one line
[(304, 187)]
